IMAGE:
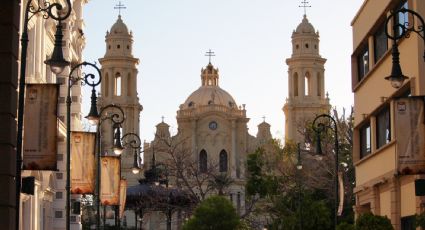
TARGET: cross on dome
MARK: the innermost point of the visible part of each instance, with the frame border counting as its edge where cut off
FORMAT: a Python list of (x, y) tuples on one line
[(304, 2), (119, 6), (209, 54)]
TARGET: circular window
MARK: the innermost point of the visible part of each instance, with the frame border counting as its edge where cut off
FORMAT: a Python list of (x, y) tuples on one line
[(213, 125)]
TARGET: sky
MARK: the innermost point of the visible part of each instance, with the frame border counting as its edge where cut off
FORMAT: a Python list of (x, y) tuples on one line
[(250, 38)]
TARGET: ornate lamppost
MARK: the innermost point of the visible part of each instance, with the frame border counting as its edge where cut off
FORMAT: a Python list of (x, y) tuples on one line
[(57, 64), (115, 114), (400, 30), (132, 141), (322, 123), (93, 117)]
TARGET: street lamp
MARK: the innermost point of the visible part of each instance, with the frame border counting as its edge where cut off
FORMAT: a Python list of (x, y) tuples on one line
[(47, 13), (117, 117), (401, 30), (132, 140), (90, 80), (319, 126)]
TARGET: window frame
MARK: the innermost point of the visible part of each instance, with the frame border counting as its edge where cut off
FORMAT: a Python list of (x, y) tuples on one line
[(364, 151), (385, 114), (362, 69), (380, 38)]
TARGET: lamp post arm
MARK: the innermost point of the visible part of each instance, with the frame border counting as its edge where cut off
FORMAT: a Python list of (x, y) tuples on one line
[(116, 118)]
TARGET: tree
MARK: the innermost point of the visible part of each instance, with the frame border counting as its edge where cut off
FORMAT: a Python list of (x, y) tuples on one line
[(368, 221), (214, 213)]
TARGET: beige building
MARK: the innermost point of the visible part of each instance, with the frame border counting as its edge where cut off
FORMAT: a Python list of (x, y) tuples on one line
[(384, 135), (212, 129), (306, 82), (46, 208)]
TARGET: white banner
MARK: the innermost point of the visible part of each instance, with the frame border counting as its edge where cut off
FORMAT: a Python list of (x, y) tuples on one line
[(83, 162), (123, 195), (110, 180), (40, 127)]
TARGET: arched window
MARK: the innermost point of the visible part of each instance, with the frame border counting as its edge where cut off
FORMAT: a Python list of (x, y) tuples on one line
[(203, 161), (223, 161), (307, 84), (295, 84), (118, 84)]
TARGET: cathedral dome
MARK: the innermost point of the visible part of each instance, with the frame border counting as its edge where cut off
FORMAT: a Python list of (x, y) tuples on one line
[(210, 95), (119, 27), (305, 26)]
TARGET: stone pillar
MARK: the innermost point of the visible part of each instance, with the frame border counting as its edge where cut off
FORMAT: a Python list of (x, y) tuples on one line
[(395, 203), (233, 159), (194, 149), (9, 64)]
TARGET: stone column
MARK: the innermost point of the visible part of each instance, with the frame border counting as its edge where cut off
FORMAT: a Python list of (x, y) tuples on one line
[(233, 158), (194, 141)]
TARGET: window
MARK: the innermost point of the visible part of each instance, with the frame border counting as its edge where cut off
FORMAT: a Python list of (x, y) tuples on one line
[(380, 42), (203, 161), (58, 214), (307, 84), (363, 62), (117, 84), (408, 223), (365, 145), (59, 195), (223, 161), (59, 176), (383, 127), (295, 84), (401, 18)]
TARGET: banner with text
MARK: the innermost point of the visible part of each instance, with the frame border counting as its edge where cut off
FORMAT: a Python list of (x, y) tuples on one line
[(110, 180), (40, 127), (409, 133), (83, 162), (123, 194)]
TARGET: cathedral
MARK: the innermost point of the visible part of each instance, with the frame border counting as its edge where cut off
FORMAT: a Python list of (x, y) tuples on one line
[(212, 127)]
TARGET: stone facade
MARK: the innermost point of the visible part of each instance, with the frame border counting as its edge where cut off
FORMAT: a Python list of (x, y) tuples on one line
[(306, 82)]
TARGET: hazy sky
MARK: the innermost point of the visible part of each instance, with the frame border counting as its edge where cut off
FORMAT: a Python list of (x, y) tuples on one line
[(251, 40)]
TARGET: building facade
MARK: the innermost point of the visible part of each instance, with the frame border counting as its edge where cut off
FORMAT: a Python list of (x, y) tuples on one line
[(306, 82), (213, 135), (46, 208), (388, 140)]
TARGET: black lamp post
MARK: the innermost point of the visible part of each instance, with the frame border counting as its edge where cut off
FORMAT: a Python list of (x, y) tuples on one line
[(401, 30), (298, 172), (132, 141), (90, 80), (322, 123), (117, 117), (57, 60)]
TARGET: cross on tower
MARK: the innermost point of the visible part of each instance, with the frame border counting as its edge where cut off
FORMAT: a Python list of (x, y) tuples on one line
[(264, 118), (162, 119), (119, 6), (304, 2), (210, 54)]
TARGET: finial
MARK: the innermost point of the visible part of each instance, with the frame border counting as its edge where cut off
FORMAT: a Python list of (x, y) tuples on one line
[(305, 5), (209, 54), (162, 119), (264, 118), (118, 7)]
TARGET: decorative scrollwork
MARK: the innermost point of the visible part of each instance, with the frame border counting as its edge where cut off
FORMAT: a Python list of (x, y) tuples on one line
[(132, 140), (320, 125), (85, 78), (49, 10), (113, 113), (405, 28)]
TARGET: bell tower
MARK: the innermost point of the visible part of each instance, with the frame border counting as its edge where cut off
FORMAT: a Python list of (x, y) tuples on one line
[(119, 87), (306, 82)]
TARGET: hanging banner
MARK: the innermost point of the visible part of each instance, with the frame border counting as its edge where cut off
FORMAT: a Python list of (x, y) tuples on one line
[(409, 133), (40, 127), (83, 162), (123, 195), (110, 180)]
